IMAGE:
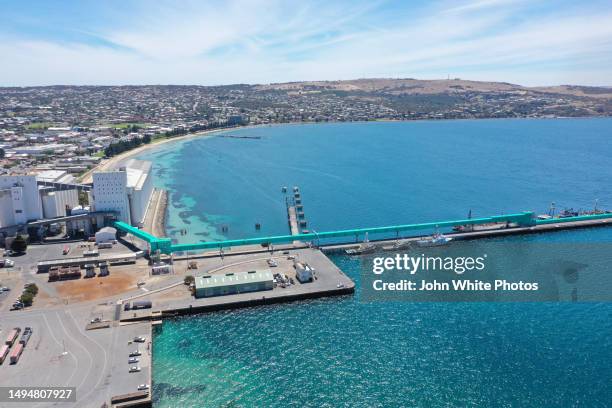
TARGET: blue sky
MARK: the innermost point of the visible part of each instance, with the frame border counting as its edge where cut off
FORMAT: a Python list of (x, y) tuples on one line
[(221, 42)]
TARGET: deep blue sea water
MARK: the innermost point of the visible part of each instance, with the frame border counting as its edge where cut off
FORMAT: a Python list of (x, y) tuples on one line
[(343, 352)]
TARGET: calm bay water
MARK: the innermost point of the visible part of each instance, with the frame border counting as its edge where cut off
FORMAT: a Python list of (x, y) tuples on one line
[(342, 352)]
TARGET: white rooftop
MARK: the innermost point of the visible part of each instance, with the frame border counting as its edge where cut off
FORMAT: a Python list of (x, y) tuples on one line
[(55, 176), (137, 172)]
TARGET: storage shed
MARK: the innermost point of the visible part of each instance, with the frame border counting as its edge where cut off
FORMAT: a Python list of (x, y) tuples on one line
[(233, 283)]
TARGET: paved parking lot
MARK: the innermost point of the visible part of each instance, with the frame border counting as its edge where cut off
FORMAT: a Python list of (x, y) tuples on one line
[(95, 361), (61, 352)]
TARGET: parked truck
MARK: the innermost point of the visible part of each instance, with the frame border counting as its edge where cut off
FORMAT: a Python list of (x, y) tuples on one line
[(90, 270), (13, 334), (25, 337), (103, 269), (16, 353), (4, 350)]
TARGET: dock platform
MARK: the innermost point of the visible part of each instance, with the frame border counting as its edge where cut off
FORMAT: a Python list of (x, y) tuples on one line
[(330, 281)]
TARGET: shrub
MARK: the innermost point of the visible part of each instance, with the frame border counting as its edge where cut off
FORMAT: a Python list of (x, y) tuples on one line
[(31, 288), (19, 244)]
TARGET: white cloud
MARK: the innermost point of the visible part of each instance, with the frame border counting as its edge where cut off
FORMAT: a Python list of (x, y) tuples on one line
[(261, 41)]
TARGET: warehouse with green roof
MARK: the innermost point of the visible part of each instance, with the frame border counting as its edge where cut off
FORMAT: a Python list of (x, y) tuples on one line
[(233, 283)]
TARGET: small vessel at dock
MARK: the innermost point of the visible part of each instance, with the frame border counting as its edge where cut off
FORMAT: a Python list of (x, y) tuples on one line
[(483, 227), (366, 247), (398, 245), (435, 240)]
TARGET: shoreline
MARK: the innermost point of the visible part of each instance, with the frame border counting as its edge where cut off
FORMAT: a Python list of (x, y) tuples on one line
[(110, 164)]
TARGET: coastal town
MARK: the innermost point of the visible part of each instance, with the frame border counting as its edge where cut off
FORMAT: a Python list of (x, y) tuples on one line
[(71, 128), (88, 274), (222, 204)]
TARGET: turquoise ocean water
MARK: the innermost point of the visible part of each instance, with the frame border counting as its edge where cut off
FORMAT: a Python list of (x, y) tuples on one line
[(344, 352)]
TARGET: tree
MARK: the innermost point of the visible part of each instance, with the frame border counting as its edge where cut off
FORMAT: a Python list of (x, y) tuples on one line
[(189, 279), (27, 298), (83, 198), (31, 288), (19, 244)]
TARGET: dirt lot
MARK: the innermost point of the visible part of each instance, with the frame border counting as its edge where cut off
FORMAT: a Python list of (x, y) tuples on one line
[(121, 279)]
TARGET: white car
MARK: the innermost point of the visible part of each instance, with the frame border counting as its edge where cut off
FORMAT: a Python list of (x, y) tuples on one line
[(132, 360), (134, 369), (135, 353), (143, 387), (139, 339), (4, 289)]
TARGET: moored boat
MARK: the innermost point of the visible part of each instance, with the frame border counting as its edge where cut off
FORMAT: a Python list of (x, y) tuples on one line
[(435, 240), (398, 245), (364, 248)]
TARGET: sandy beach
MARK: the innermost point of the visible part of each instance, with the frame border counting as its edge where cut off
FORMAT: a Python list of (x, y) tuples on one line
[(115, 161)]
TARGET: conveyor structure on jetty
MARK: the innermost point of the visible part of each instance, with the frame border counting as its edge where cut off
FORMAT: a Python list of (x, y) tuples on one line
[(525, 222)]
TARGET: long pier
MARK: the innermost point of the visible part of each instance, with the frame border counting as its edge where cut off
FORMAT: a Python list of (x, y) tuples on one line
[(525, 222), (293, 222), (295, 212)]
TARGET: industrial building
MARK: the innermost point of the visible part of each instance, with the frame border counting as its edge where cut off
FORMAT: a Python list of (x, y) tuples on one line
[(19, 200), (58, 203), (24, 199), (55, 176), (233, 283), (126, 191)]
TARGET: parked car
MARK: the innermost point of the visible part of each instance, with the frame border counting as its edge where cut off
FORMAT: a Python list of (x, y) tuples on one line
[(6, 263), (140, 339), (134, 369), (135, 353), (132, 360), (4, 289), (143, 387), (96, 320)]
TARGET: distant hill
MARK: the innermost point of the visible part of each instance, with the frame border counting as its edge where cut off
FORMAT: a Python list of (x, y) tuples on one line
[(412, 86)]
